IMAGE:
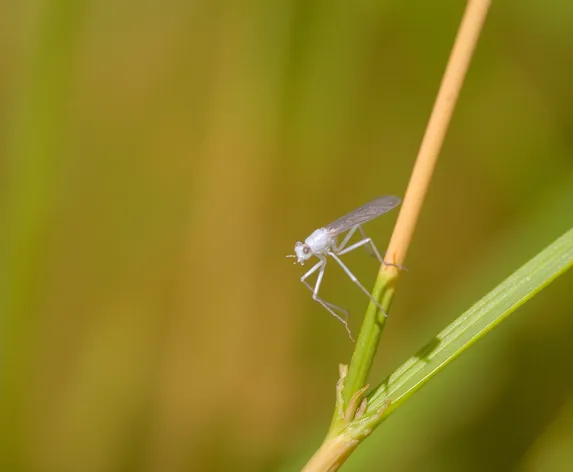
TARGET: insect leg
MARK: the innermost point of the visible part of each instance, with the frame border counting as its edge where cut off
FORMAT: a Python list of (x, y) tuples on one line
[(329, 306), (346, 239), (371, 244), (352, 276), (312, 270), (369, 250), (363, 242)]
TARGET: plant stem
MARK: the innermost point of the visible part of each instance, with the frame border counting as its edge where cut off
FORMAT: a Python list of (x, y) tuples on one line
[(384, 287), (341, 441), (446, 100), (331, 455)]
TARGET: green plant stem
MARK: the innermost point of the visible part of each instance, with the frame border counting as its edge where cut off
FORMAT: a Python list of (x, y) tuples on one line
[(366, 344), (370, 333)]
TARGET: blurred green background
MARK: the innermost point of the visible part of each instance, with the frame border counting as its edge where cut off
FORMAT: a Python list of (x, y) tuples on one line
[(159, 160)]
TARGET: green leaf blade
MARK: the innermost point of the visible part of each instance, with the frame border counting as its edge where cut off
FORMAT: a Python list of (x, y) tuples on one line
[(482, 317)]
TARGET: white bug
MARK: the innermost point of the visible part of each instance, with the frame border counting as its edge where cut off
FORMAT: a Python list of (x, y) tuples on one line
[(322, 243)]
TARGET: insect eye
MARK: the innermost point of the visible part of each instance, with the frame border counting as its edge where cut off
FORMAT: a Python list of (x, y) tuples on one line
[(306, 250)]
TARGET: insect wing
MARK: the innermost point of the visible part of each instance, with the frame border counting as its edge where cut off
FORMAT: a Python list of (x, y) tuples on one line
[(363, 214)]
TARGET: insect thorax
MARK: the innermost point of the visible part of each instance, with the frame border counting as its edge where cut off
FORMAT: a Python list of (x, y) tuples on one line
[(320, 241)]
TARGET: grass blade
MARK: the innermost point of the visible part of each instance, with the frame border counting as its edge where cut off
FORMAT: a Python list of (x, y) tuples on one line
[(493, 308)]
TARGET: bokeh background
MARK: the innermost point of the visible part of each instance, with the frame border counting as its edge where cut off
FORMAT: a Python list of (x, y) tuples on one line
[(159, 160)]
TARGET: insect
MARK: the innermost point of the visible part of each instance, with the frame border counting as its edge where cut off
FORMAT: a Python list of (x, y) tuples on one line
[(323, 243)]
